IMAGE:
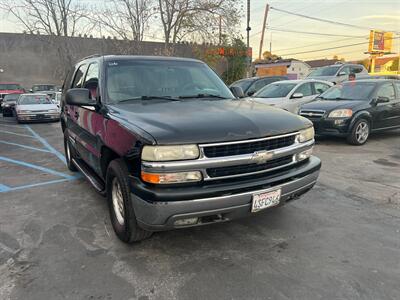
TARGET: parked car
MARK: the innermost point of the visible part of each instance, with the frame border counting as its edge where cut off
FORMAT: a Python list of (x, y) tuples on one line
[(57, 98), (44, 87), (171, 147), (291, 94), (338, 72), (9, 88), (8, 105), (395, 77), (36, 107), (355, 109), (251, 85)]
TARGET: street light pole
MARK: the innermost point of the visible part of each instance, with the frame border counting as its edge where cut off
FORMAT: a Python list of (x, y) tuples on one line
[(248, 28)]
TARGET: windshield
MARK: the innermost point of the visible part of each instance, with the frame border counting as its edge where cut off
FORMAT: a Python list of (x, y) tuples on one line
[(34, 99), (149, 79), (275, 90), (10, 86), (11, 97), (325, 71), (243, 84), (44, 87), (349, 91)]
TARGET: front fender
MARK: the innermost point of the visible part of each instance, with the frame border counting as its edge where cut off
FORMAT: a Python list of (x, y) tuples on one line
[(361, 114)]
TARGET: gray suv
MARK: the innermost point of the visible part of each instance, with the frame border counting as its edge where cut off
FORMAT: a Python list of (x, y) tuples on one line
[(338, 73)]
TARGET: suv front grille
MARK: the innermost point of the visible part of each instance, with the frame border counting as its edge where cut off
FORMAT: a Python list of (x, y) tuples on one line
[(250, 168), (312, 114), (249, 147)]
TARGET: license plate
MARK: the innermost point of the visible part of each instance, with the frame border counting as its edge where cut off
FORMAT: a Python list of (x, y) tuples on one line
[(265, 200)]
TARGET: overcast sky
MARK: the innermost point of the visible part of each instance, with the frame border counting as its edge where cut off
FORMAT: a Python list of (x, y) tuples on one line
[(377, 14)]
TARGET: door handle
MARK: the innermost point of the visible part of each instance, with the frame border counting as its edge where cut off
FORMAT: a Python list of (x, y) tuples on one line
[(77, 115)]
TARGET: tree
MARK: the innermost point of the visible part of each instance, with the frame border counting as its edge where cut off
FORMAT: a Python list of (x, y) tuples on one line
[(52, 17), (182, 18), (128, 19), (395, 65), (236, 63)]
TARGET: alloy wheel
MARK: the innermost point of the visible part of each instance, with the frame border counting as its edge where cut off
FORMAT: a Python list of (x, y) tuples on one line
[(362, 132)]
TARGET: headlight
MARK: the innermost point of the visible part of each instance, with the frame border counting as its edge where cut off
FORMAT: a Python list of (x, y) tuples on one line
[(341, 113), (169, 178), (167, 153), (306, 135)]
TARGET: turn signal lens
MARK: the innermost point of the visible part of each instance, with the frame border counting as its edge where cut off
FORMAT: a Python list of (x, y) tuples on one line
[(168, 178), (304, 155)]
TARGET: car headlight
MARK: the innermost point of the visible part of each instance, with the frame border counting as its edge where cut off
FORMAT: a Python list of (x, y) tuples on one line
[(168, 153), (341, 113), (306, 135)]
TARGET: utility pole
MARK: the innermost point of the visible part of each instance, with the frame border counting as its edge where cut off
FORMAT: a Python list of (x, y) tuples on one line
[(248, 28), (263, 30)]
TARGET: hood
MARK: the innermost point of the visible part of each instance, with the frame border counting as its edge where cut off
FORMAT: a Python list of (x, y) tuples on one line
[(37, 107), (329, 105), (207, 121), (269, 101)]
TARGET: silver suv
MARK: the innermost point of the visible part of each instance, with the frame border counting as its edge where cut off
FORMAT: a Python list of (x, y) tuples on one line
[(338, 73)]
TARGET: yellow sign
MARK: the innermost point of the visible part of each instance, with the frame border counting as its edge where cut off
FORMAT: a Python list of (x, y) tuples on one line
[(380, 41)]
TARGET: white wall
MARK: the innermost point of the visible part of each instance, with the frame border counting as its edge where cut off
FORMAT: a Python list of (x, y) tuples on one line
[(298, 68)]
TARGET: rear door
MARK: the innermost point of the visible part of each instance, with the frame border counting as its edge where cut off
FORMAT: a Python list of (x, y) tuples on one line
[(396, 104)]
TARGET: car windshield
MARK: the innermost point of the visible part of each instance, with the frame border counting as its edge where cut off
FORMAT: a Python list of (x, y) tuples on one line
[(349, 91), (325, 71), (243, 84), (11, 97), (10, 86), (162, 79), (275, 90), (43, 87), (34, 99)]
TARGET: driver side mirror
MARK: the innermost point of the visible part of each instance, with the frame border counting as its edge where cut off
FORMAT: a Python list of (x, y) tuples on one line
[(382, 99), (341, 73), (251, 93), (297, 96), (237, 91), (79, 97)]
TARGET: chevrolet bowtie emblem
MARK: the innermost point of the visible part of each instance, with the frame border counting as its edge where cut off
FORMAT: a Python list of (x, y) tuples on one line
[(261, 157)]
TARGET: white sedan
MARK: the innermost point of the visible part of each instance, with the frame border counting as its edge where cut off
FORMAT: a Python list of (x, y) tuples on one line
[(291, 94), (36, 107)]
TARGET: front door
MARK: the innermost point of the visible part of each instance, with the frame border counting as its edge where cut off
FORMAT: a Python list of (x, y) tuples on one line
[(308, 95), (386, 113)]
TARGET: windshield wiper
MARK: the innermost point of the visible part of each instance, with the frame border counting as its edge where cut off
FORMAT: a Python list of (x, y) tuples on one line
[(339, 98), (202, 96), (150, 98)]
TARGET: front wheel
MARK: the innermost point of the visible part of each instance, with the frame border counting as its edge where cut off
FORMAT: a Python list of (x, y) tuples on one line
[(69, 153), (359, 133), (123, 218)]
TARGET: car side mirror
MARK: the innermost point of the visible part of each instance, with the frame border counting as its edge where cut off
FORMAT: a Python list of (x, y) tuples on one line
[(341, 73), (382, 99), (79, 97), (297, 96), (237, 91), (251, 93), (30, 90)]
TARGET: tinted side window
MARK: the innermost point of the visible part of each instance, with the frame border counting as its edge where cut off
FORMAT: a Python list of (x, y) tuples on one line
[(320, 87), (305, 89), (259, 84), (386, 90), (356, 69), (78, 79)]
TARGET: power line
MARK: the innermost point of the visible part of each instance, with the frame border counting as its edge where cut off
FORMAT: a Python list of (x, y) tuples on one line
[(325, 20), (315, 33)]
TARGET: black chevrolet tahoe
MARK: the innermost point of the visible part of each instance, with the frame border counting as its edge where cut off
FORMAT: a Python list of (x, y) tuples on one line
[(170, 146)]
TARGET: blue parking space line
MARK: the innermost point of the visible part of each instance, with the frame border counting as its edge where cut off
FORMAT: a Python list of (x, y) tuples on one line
[(24, 146), (19, 134), (37, 184), (43, 169), (47, 145), (4, 188)]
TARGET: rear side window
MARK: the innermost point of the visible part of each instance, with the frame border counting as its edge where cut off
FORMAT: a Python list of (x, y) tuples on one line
[(78, 78), (356, 69), (320, 87), (386, 90), (305, 89), (259, 84)]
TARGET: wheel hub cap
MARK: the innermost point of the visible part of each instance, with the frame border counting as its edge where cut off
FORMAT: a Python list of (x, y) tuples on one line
[(118, 201), (362, 132)]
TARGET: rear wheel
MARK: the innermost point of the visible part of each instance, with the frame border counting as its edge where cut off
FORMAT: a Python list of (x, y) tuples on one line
[(69, 153), (123, 218), (359, 133)]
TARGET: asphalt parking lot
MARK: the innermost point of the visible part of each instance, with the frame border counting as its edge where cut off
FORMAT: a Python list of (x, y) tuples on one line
[(340, 241)]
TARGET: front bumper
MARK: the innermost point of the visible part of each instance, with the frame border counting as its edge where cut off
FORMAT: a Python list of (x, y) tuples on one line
[(221, 203), (332, 127), (39, 117)]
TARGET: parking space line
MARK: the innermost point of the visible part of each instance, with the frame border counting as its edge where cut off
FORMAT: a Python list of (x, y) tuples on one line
[(47, 145), (24, 146), (19, 134), (38, 184), (4, 188), (43, 169)]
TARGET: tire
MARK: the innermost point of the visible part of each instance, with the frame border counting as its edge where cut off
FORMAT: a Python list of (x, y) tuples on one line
[(359, 133), (122, 214), (69, 153)]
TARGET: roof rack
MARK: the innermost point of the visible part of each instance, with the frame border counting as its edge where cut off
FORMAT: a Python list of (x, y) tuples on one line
[(90, 56)]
